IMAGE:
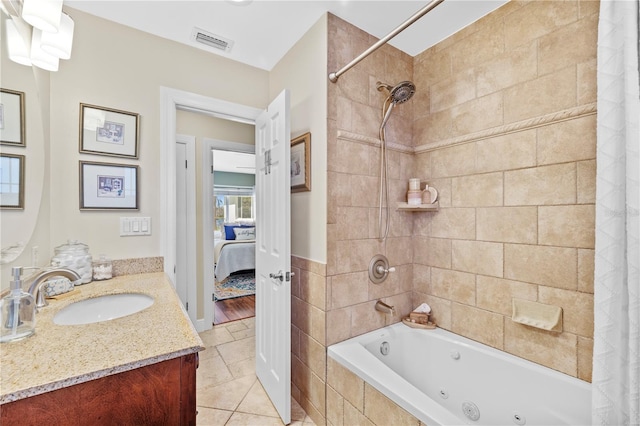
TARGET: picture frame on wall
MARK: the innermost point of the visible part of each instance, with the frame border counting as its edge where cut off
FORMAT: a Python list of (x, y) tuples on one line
[(108, 131), (301, 163), (108, 186), (12, 181), (12, 118)]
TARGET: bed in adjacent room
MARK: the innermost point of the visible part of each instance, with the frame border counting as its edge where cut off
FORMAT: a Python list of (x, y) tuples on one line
[(235, 254)]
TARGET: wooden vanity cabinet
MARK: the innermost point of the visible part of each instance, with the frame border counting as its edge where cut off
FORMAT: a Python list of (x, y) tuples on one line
[(158, 394)]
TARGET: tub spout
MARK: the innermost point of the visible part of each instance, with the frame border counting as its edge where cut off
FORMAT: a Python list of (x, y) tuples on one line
[(383, 307)]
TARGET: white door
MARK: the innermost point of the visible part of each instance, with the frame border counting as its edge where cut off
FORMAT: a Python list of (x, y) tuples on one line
[(185, 223), (273, 254)]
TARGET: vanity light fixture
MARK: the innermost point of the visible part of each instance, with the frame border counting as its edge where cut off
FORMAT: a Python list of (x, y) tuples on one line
[(42, 37), (43, 14)]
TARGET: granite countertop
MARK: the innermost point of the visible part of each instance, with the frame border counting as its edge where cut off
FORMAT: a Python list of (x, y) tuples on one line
[(58, 356)]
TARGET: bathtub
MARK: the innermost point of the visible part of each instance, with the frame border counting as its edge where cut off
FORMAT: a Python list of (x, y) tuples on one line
[(445, 379)]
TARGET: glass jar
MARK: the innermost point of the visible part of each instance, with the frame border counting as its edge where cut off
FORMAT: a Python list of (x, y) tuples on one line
[(75, 256), (102, 268)]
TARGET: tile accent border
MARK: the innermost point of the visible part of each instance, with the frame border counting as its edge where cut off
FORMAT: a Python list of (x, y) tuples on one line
[(518, 126), (368, 140)]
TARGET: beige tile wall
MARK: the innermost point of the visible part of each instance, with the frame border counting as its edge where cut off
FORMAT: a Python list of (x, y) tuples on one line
[(354, 116), (351, 401), (503, 125), (308, 336), (517, 201)]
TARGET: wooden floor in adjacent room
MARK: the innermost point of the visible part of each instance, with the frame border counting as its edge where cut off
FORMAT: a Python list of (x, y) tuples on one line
[(234, 309)]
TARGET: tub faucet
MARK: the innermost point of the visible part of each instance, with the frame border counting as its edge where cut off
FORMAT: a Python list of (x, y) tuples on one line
[(383, 307), (36, 281)]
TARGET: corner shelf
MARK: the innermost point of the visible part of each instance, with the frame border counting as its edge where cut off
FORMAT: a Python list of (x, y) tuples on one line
[(419, 208)]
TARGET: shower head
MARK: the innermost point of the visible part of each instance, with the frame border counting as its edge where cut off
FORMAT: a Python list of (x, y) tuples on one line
[(399, 93)]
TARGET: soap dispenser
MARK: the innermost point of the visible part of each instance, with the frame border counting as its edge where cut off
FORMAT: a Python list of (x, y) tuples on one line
[(18, 311)]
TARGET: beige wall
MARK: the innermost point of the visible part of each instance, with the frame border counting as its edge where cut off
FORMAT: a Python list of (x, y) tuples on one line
[(507, 132), (303, 71), (118, 67)]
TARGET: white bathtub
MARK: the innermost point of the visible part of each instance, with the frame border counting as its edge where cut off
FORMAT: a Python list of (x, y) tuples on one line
[(439, 377)]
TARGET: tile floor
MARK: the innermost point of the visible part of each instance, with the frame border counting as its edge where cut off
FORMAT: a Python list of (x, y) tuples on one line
[(228, 391)]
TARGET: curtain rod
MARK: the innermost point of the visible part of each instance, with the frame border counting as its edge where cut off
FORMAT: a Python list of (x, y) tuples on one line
[(333, 77)]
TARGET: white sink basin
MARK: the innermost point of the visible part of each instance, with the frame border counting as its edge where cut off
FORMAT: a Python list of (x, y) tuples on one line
[(102, 308)]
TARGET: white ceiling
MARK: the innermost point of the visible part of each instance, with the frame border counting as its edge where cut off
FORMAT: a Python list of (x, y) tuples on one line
[(264, 30)]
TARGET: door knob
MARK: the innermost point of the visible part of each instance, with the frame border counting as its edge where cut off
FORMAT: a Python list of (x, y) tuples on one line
[(279, 275)]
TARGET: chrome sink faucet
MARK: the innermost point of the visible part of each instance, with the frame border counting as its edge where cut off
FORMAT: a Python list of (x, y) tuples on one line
[(36, 281)]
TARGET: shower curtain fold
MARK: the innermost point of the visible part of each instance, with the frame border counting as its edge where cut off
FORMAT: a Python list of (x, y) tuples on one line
[(616, 346)]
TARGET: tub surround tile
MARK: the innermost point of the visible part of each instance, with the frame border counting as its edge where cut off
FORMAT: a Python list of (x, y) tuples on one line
[(346, 383), (456, 223), (382, 411), (440, 310), (495, 294), (551, 266), (585, 358), (477, 114), (554, 350), (477, 324), (567, 226), (577, 309), (544, 95), (353, 416), (531, 21), (508, 69), (338, 325), (508, 224), (548, 185), (586, 177), (566, 141), (477, 257), (587, 87), (453, 285), (335, 407), (87, 359), (506, 152), (586, 260), (453, 161), (555, 53), (477, 190)]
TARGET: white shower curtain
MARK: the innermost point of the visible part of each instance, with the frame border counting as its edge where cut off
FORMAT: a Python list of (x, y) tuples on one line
[(616, 346)]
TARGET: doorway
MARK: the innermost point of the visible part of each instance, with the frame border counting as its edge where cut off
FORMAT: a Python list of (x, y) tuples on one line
[(199, 292), (229, 197)]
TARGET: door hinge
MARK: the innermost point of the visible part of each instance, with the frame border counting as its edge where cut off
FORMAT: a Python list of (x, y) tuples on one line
[(211, 169), (267, 162), (185, 164), (187, 306)]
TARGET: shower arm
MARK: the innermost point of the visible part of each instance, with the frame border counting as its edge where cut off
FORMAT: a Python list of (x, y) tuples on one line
[(333, 77)]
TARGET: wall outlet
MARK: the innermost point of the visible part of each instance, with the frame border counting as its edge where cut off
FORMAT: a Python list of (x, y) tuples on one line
[(131, 226)]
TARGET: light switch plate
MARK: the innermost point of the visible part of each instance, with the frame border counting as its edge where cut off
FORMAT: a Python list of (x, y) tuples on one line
[(133, 226)]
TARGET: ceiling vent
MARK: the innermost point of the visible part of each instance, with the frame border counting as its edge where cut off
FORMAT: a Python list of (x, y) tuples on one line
[(211, 40)]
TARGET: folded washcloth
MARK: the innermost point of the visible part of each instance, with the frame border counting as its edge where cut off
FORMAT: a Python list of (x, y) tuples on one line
[(423, 309)]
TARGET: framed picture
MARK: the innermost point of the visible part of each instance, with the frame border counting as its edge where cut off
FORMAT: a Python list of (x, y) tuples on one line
[(12, 125), (108, 131), (301, 163), (106, 186), (12, 181)]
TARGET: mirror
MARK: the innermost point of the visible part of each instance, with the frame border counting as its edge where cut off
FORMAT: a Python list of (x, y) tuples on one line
[(20, 218)]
